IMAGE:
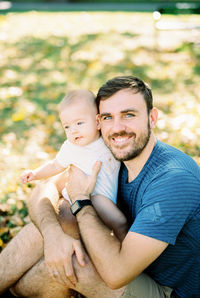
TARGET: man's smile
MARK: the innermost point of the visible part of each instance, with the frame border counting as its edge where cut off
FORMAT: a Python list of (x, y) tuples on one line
[(121, 139)]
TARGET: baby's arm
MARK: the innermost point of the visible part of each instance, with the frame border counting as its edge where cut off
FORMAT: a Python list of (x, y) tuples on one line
[(111, 215), (50, 169)]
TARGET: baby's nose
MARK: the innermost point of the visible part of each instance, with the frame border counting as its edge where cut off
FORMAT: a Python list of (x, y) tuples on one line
[(73, 130)]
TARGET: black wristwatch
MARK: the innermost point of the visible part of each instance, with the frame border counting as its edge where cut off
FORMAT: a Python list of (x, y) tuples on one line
[(78, 205)]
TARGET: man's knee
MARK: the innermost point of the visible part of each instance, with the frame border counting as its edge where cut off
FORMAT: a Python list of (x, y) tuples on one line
[(38, 283)]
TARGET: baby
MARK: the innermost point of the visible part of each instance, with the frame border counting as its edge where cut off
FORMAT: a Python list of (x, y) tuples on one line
[(83, 147)]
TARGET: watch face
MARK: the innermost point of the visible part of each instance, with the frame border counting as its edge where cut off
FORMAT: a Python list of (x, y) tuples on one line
[(78, 205), (75, 207)]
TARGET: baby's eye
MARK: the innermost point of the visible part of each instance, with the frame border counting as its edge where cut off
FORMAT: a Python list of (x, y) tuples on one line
[(67, 127), (80, 123)]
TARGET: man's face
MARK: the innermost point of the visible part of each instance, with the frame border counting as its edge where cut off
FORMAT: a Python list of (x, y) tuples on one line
[(124, 123)]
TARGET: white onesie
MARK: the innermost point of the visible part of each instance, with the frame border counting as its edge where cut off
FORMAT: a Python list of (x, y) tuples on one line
[(84, 157)]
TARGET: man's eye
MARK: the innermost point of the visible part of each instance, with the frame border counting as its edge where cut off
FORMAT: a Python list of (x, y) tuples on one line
[(80, 123), (129, 115), (106, 117)]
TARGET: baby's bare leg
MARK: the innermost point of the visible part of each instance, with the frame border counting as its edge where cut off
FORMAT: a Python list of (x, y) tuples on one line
[(67, 220)]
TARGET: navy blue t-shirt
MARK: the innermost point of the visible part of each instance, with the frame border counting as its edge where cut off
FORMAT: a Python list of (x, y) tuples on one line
[(163, 202)]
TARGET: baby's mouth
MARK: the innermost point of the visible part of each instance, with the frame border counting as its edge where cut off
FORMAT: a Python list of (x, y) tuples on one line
[(77, 138)]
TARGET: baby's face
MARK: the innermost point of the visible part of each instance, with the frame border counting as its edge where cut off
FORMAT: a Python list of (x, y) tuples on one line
[(79, 122)]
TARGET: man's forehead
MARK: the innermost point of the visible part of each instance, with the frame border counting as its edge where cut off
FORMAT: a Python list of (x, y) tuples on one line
[(122, 100)]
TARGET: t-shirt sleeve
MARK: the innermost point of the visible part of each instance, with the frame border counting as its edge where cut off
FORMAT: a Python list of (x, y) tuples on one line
[(168, 203), (63, 155)]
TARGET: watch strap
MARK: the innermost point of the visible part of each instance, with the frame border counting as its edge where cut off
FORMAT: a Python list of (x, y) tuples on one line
[(79, 204)]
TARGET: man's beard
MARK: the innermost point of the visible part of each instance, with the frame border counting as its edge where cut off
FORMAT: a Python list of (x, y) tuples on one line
[(137, 146)]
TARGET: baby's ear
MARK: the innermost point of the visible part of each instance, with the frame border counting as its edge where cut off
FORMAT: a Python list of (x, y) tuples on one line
[(98, 121)]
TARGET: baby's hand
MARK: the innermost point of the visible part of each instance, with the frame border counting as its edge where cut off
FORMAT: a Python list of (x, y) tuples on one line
[(27, 176)]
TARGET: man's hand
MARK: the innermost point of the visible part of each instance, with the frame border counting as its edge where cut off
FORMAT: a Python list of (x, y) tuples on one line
[(79, 185), (58, 252)]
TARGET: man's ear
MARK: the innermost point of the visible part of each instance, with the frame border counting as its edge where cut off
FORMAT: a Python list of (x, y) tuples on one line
[(98, 121), (153, 117)]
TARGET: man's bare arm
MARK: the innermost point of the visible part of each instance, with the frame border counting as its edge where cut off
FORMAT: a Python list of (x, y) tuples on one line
[(117, 263), (58, 247)]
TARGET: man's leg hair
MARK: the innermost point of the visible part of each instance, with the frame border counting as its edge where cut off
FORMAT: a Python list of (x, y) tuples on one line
[(21, 262), (20, 254), (36, 283), (25, 250)]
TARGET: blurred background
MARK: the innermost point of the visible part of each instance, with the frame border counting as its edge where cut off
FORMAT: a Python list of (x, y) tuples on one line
[(48, 48)]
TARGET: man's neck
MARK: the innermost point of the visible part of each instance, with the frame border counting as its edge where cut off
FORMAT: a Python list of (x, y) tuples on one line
[(135, 165)]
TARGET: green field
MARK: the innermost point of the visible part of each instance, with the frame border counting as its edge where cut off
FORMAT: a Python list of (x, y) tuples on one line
[(44, 55)]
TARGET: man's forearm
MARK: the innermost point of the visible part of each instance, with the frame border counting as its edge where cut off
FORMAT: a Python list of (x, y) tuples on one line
[(103, 247), (117, 263)]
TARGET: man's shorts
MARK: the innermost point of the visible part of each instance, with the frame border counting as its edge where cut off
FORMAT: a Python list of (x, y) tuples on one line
[(145, 287)]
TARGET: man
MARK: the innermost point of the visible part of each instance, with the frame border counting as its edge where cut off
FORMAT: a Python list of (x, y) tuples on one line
[(159, 190)]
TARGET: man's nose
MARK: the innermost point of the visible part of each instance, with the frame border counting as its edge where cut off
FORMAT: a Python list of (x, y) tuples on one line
[(118, 125)]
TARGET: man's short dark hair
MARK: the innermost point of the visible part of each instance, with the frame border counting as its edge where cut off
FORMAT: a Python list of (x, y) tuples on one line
[(125, 82)]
